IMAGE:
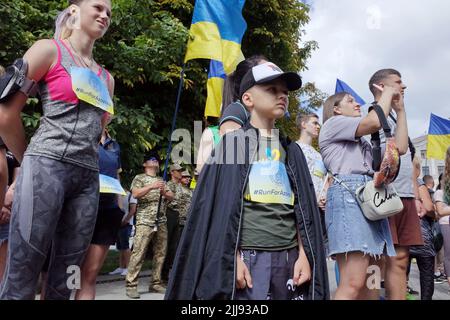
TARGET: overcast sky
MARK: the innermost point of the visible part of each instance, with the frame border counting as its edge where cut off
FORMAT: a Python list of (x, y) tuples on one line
[(358, 37)]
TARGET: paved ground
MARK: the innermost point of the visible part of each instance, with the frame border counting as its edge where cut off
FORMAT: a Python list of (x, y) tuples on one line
[(441, 291), (113, 287)]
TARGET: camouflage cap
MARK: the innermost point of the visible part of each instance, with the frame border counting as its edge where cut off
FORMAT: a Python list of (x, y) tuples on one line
[(175, 167), (185, 173)]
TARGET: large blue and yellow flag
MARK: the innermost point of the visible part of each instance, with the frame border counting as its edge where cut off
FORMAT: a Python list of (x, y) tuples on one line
[(216, 32), (438, 137), (216, 80)]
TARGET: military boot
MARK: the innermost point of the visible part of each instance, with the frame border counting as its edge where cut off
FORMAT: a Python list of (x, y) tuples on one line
[(133, 293), (157, 288)]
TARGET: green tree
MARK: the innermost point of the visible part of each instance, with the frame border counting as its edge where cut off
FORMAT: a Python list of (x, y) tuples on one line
[(275, 29), (144, 50)]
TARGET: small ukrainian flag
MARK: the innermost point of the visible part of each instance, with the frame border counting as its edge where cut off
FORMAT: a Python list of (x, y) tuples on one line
[(216, 80), (438, 137), (216, 32)]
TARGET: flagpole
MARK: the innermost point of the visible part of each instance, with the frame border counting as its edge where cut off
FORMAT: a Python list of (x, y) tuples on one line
[(169, 150), (174, 120)]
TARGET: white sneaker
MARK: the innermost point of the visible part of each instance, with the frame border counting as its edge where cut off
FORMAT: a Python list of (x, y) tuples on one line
[(117, 271), (124, 272)]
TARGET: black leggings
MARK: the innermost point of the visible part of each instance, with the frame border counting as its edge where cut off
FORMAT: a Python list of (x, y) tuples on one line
[(426, 269), (55, 206)]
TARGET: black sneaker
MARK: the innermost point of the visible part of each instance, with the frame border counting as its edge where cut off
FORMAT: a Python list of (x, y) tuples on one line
[(438, 279), (411, 290)]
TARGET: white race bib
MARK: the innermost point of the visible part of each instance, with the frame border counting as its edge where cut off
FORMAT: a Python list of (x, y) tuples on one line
[(269, 183), (89, 88)]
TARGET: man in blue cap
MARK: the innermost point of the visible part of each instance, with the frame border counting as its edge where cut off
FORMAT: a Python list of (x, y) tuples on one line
[(147, 187)]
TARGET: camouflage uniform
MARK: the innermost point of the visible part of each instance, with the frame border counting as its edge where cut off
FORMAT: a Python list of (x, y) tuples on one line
[(146, 229), (172, 229), (175, 188), (184, 201)]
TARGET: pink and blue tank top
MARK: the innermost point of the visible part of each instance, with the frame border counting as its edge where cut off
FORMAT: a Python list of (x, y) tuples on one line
[(70, 129)]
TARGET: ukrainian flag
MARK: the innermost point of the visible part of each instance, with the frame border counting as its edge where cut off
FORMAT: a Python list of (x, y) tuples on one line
[(216, 79), (216, 32), (438, 137)]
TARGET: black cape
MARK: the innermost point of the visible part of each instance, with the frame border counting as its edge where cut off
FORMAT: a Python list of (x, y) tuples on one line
[(204, 265)]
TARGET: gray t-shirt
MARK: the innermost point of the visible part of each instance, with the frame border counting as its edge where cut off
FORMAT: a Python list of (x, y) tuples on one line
[(341, 151), (315, 165), (404, 183)]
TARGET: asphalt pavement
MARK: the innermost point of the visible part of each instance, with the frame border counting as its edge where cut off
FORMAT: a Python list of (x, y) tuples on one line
[(113, 287)]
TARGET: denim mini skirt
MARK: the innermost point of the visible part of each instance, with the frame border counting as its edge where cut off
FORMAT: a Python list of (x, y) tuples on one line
[(347, 228)]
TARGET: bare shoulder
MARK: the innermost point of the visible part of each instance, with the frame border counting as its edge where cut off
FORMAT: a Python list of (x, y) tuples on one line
[(45, 47), (41, 57)]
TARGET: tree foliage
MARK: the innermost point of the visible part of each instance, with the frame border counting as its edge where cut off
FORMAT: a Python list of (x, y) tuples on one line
[(144, 50)]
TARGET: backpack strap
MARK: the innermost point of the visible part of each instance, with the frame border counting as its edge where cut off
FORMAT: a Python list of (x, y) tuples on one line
[(376, 141)]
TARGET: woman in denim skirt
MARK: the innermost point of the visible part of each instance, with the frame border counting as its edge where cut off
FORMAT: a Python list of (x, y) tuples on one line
[(355, 241)]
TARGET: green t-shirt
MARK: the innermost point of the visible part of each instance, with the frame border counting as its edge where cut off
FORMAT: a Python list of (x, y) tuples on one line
[(268, 218)]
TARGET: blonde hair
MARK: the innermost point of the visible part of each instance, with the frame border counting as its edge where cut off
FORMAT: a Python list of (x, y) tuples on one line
[(330, 103), (2, 71), (63, 20)]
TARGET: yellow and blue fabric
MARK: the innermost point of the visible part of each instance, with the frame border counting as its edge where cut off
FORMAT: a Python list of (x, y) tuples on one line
[(216, 32), (268, 180), (438, 137), (216, 80), (110, 185), (89, 88)]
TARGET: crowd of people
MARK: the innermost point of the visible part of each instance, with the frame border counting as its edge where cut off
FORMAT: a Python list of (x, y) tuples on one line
[(266, 214)]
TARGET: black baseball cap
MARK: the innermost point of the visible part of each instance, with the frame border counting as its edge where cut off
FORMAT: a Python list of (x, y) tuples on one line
[(267, 72)]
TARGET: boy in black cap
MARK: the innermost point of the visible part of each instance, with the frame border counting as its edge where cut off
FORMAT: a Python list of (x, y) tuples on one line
[(147, 188), (255, 227)]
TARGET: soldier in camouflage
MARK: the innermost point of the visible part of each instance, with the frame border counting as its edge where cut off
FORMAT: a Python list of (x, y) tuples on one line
[(172, 214), (147, 188), (184, 199)]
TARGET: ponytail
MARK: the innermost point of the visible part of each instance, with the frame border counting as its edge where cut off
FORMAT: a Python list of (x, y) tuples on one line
[(61, 29), (228, 94), (233, 81), (65, 22)]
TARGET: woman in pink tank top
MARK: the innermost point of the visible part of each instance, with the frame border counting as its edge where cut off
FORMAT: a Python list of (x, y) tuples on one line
[(57, 191)]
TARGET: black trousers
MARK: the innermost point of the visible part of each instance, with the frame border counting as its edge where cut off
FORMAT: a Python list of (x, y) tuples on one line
[(426, 273), (172, 242)]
